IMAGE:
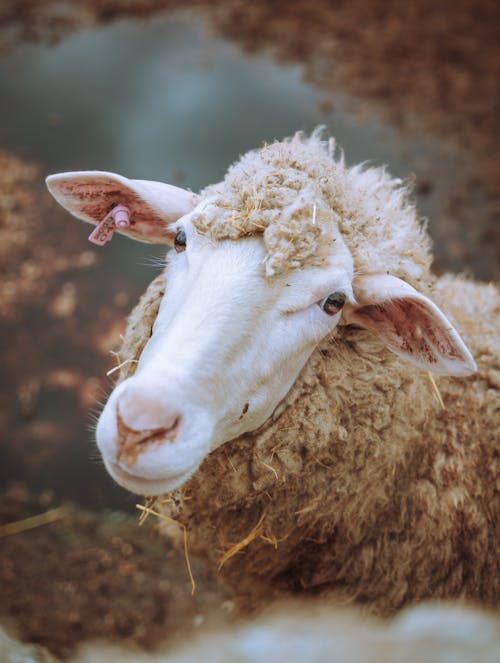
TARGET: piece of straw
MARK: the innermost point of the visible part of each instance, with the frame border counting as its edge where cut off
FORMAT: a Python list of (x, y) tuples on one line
[(310, 507), (161, 516), (151, 503), (238, 547), (117, 368), (271, 469), (436, 390), (232, 464), (270, 539), (34, 521)]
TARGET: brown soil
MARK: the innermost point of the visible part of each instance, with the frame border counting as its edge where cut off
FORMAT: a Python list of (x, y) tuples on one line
[(85, 576), (88, 576), (47, 286)]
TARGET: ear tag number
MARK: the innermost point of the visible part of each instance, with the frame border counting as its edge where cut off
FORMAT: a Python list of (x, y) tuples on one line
[(117, 219)]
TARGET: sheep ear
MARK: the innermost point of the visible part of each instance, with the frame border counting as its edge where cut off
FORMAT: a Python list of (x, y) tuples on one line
[(137, 208), (409, 324)]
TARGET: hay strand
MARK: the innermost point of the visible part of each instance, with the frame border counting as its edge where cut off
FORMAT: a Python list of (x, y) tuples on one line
[(34, 521), (149, 511), (257, 531), (271, 469), (151, 503), (313, 504), (436, 390), (123, 363)]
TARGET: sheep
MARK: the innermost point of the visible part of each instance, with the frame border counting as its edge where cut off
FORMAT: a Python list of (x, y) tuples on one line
[(320, 634), (276, 382)]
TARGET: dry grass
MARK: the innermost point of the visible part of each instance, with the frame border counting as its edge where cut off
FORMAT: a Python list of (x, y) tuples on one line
[(436, 390), (147, 510), (34, 521), (257, 531)]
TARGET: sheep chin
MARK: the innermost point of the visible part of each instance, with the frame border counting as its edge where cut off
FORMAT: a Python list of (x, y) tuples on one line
[(141, 485)]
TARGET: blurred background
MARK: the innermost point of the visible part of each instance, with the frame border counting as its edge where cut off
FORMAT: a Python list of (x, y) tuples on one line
[(176, 90)]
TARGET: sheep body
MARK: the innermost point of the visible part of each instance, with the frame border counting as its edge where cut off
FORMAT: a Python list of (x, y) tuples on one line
[(359, 483)]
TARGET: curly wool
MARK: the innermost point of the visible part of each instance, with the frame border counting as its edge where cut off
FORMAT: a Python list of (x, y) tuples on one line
[(297, 196)]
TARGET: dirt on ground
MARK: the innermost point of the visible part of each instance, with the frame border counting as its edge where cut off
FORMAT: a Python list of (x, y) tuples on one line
[(84, 575), (97, 577), (427, 66), (42, 316)]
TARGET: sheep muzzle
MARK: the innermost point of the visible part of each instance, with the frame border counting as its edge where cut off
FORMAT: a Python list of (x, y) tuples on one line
[(131, 443)]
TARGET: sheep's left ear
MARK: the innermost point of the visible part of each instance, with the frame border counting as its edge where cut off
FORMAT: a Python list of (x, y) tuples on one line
[(409, 324), (139, 209)]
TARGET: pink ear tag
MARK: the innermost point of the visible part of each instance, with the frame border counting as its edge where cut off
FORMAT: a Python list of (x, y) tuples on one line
[(117, 219)]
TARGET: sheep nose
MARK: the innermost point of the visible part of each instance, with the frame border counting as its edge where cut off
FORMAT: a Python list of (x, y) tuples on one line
[(131, 443), (142, 422), (145, 406)]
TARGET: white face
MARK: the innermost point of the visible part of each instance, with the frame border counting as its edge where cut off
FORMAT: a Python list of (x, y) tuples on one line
[(226, 347)]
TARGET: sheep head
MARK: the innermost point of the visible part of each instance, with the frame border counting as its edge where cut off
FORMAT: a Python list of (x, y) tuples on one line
[(256, 281)]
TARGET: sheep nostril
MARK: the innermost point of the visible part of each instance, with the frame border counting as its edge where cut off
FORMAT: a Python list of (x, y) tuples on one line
[(131, 443)]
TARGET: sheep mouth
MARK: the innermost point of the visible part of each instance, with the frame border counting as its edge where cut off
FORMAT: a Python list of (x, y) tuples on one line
[(148, 486)]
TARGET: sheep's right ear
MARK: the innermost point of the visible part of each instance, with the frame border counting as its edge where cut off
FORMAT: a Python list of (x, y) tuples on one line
[(139, 209)]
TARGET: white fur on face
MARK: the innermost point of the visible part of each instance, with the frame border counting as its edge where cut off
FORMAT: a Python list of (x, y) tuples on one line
[(226, 347)]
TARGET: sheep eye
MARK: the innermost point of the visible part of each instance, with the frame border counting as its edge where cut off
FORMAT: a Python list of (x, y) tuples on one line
[(180, 241), (333, 303)]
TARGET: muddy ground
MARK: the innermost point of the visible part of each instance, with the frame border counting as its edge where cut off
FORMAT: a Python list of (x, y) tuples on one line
[(428, 67), (98, 576)]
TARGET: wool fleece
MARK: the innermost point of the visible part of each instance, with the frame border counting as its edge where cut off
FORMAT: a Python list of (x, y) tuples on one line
[(361, 484), (298, 196)]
